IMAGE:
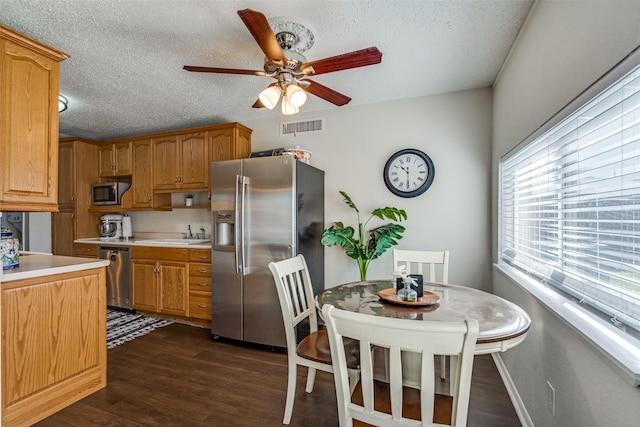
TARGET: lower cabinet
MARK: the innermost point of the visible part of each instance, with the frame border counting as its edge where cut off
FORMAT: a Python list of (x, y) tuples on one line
[(159, 280), (53, 343), (200, 283)]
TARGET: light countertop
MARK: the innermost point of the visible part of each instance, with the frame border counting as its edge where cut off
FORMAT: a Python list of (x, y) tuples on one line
[(39, 265), (141, 242)]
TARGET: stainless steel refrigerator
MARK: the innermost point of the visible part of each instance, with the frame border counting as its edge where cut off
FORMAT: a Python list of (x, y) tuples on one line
[(264, 209)]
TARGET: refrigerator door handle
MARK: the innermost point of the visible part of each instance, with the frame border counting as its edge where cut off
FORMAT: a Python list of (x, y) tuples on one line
[(243, 209), (238, 224)]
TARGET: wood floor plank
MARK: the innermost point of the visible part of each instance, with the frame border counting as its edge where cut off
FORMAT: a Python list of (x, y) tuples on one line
[(178, 376)]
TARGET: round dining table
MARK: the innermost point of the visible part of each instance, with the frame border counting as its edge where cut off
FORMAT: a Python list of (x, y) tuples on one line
[(502, 324)]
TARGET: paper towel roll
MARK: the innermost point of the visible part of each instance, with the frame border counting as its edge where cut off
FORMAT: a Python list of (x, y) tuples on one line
[(127, 231)]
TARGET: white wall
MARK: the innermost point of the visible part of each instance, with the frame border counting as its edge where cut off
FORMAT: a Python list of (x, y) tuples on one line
[(453, 129), (564, 47)]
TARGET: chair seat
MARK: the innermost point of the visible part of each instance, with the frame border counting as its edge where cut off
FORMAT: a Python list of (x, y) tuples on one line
[(411, 403), (315, 346)]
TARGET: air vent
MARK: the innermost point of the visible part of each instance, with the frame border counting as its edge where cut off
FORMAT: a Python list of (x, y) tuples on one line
[(307, 126)]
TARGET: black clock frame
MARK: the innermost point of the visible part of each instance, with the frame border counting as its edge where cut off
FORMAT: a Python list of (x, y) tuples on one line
[(431, 171)]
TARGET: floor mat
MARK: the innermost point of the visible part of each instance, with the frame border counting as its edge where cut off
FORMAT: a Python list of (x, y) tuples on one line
[(123, 327)]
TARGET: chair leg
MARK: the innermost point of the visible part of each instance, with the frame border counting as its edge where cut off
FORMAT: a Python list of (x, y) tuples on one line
[(291, 392), (443, 367), (311, 378)]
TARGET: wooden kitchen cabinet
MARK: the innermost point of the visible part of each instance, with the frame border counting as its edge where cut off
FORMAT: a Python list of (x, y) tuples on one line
[(29, 87), (142, 177), (230, 141), (200, 283), (85, 250), (53, 343), (160, 280), (77, 171), (180, 162), (115, 159)]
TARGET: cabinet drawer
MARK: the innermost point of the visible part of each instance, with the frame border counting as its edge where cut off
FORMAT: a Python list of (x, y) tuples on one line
[(165, 254), (199, 269), (200, 255), (85, 250), (200, 305), (200, 284)]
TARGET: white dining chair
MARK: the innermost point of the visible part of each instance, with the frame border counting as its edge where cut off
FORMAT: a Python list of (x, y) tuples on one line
[(295, 293), (419, 262), (390, 403)]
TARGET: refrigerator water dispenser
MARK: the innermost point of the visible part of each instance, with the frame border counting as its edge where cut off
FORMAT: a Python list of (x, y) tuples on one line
[(224, 222)]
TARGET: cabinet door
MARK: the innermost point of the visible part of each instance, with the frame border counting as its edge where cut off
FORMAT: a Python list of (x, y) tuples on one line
[(142, 180), (144, 285), (194, 164), (165, 163), (221, 143), (242, 143), (66, 176), (63, 232), (173, 288), (122, 158), (28, 129), (105, 156)]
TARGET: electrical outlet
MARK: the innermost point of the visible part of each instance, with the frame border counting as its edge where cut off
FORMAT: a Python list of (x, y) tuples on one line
[(551, 398)]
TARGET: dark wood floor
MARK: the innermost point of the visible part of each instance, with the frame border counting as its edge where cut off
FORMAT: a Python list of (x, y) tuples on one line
[(178, 376)]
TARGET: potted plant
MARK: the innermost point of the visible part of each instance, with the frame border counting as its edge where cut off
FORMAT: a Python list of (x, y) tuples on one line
[(367, 245), (188, 200)]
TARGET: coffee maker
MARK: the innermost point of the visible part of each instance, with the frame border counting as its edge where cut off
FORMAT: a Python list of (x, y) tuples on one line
[(111, 227)]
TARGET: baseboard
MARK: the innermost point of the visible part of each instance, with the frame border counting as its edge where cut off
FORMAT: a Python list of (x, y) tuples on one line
[(521, 410)]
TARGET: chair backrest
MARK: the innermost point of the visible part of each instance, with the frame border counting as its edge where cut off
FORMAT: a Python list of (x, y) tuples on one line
[(426, 338), (414, 261), (295, 293)]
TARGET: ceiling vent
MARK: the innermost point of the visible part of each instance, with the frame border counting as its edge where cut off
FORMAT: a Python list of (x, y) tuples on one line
[(306, 126)]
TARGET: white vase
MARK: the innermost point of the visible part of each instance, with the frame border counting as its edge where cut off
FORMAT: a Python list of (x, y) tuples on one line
[(188, 201)]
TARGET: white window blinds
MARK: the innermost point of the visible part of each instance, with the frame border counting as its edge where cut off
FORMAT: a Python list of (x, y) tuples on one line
[(570, 203)]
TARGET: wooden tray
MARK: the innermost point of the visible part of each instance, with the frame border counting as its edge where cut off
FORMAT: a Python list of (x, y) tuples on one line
[(428, 298)]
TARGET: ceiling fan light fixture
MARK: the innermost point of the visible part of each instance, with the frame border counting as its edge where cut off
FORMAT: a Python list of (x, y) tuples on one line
[(296, 96), (287, 108), (63, 103), (270, 96)]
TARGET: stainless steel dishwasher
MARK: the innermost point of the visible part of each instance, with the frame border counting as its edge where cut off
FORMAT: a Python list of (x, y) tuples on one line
[(118, 275)]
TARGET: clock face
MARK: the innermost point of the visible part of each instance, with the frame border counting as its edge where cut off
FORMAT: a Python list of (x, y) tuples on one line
[(409, 173)]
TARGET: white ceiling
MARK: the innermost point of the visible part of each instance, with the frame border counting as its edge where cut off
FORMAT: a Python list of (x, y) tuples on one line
[(125, 77)]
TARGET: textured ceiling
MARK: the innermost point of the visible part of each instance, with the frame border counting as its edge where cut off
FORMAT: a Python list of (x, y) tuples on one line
[(124, 75)]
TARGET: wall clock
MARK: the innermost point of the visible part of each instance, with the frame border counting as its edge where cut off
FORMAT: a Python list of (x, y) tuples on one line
[(409, 173)]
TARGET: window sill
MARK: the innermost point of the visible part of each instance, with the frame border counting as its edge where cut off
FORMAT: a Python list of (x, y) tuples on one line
[(620, 348)]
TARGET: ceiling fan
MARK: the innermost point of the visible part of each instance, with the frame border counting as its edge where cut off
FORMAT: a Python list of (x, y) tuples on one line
[(285, 63)]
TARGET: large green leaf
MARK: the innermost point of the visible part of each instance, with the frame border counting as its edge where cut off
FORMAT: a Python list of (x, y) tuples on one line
[(393, 214), (349, 202), (384, 237)]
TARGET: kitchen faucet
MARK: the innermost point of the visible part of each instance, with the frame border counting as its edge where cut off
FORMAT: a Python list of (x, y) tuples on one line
[(189, 235)]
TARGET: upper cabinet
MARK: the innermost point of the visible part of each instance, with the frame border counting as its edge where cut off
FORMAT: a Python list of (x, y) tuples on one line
[(29, 86), (116, 159), (180, 162), (228, 142)]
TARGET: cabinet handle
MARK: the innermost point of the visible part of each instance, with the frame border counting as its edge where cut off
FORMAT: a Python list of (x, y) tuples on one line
[(85, 250), (202, 284), (149, 197), (202, 270), (203, 305), (202, 257), (73, 198)]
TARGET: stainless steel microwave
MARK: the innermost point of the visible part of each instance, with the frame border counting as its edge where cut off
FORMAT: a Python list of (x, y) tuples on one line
[(108, 193)]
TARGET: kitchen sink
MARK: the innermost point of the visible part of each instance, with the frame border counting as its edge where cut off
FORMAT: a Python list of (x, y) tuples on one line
[(175, 241)]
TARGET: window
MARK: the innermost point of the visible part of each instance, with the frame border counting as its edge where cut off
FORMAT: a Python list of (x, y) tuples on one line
[(570, 199)]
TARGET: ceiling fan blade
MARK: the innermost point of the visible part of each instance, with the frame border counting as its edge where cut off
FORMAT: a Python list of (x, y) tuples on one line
[(326, 93), (223, 70), (258, 104), (260, 29), (355, 59)]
